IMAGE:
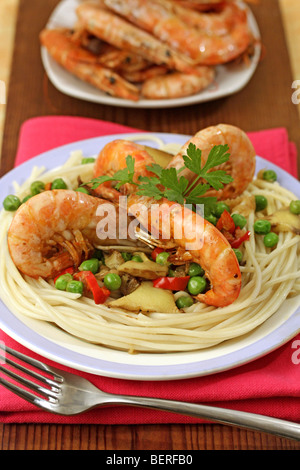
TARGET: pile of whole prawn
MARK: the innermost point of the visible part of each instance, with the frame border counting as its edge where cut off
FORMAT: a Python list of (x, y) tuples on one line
[(158, 49)]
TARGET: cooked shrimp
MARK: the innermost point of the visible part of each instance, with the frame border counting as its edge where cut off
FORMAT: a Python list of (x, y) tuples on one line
[(207, 5), (85, 65), (142, 75), (197, 239), (241, 163), (177, 84), (113, 158), (174, 225), (108, 55), (218, 22), (54, 230), (159, 18), (200, 5), (121, 33)]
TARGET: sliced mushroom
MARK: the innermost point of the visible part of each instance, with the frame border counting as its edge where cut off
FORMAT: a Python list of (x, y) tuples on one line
[(114, 259), (129, 284)]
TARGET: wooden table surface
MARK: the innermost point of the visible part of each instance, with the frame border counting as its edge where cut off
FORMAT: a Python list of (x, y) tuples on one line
[(264, 103)]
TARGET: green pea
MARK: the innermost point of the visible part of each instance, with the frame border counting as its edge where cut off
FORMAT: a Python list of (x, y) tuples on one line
[(211, 218), (196, 285), (62, 281), (195, 270), (220, 208), (82, 190), (37, 187), (262, 227), (87, 160), (26, 198), (126, 256), (184, 301), (271, 239), (269, 175), (261, 202), (11, 203), (171, 273), (238, 254), (112, 281), (90, 265), (58, 183), (76, 287), (239, 220), (137, 258), (162, 258), (295, 207)]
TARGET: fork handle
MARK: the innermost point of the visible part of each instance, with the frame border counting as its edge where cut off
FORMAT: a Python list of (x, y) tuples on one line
[(282, 428)]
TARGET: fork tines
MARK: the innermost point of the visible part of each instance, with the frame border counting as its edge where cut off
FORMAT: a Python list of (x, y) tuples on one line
[(44, 385)]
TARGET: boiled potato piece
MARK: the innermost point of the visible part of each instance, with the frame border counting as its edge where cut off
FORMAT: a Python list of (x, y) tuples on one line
[(160, 157), (147, 298)]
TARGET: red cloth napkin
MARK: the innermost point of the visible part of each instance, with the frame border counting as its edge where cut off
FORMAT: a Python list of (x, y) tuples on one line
[(269, 385)]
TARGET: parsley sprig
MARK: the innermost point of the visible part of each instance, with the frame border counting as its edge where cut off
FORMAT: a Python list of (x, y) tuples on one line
[(167, 182), (121, 177)]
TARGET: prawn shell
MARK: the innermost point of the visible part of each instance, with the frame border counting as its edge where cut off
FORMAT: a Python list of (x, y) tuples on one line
[(85, 65), (240, 165), (44, 226), (203, 242)]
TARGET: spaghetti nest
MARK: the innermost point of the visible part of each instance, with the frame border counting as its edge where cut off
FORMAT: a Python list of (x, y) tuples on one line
[(269, 278)]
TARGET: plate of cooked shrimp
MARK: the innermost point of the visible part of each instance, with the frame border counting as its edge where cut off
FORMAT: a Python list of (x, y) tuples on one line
[(163, 53), (87, 283)]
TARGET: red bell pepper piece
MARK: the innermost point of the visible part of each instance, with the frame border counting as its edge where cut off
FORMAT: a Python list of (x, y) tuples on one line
[(156, 252), (100, 294), (238, 241), (65, 271), (233, 234), (226, 222), (171, 283)]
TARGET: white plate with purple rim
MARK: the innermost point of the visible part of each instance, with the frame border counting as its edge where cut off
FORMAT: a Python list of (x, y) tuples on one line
[(230, 78), (52, 343)]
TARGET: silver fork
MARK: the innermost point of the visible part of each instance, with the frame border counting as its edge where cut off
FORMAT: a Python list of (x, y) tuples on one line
[(63, 393)]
